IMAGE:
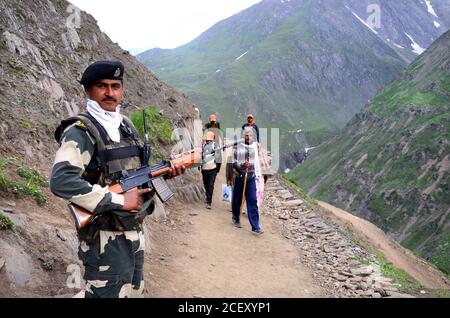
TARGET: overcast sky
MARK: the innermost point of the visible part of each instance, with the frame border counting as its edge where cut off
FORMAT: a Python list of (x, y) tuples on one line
[(138, 24)]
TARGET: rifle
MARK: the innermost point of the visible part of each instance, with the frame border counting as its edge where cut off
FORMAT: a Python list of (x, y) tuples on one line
[(148, 177)]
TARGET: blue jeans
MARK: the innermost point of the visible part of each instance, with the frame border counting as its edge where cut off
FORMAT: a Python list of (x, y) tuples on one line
[(250, 197)]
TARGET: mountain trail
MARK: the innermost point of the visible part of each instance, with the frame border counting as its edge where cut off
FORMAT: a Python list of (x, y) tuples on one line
[(215, 259), (304, 252)]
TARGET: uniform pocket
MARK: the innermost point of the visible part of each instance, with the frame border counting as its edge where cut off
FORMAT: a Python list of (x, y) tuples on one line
[(110, 278), (102, 285)]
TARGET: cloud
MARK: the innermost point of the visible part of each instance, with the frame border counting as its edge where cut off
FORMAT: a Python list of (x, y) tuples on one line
[(155, 23)]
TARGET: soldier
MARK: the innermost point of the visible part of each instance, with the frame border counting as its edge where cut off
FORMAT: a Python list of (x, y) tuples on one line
[(96, 148)]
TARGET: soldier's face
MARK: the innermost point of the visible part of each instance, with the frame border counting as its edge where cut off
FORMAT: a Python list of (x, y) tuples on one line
[(107, 93)]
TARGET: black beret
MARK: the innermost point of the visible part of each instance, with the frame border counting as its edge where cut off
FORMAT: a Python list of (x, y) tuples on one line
[(102, 70)]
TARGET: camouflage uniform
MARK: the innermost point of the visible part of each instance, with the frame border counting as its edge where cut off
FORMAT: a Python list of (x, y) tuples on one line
[(114, 265), (112, 246)]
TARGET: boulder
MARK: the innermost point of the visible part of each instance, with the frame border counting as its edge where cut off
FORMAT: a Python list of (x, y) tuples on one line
[(285, 194), (6, 210), (274, 188), (339, 278), (293, 203)]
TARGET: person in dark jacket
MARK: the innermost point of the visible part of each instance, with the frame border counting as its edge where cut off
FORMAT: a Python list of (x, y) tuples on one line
[(209, 169), (213, 123), (251, 123)]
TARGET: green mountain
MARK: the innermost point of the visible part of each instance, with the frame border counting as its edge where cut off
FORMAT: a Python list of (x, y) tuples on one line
[(391, 163), (304, 65)]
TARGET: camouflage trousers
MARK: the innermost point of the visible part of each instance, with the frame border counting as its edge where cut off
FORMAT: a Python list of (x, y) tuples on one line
[(114, 265)]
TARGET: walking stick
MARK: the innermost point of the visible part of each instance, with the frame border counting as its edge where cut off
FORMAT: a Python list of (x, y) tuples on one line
[(243, 192)]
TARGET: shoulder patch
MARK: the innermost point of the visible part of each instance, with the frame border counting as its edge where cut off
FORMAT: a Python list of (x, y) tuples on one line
[(80, 124)]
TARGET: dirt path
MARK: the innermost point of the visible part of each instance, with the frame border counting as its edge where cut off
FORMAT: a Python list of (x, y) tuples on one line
[(215, 259), (395, 253)]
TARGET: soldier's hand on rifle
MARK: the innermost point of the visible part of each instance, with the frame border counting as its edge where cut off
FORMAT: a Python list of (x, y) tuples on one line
[(247, 164), (176, 170), (133, 200)]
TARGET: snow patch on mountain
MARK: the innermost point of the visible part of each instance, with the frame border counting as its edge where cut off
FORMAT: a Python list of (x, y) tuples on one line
[(430, 8), (416, 47), (238, 58)]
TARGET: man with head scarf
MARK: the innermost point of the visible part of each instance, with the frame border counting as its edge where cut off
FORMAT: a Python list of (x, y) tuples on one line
[(97, 148)]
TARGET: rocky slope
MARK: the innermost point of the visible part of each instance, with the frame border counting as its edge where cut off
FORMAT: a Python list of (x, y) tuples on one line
[(300, 64), (44, 48), (346, 259), (391, 163)]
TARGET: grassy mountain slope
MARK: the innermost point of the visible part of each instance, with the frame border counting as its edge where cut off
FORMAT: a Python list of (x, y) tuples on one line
[(298, 64), (391, 163)]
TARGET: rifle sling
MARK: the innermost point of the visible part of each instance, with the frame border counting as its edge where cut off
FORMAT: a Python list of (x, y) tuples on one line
[(102, 132)]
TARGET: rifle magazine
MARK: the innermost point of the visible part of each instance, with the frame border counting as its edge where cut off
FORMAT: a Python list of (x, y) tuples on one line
[(162, 189)]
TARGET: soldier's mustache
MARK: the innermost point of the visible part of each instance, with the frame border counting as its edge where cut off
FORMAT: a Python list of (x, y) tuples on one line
[(108, 100)]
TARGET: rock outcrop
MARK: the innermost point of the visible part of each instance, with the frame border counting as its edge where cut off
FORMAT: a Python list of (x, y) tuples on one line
[(341, 263), (45, 46)]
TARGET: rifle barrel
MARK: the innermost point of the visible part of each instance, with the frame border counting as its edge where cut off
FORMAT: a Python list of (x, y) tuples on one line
[(146, 149)]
